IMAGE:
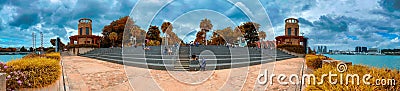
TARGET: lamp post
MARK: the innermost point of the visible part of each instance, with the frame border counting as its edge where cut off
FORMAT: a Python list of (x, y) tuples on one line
[(204, 35)]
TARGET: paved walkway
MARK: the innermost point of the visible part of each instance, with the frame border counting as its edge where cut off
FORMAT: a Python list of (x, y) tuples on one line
[(243, 78), (84, 74)]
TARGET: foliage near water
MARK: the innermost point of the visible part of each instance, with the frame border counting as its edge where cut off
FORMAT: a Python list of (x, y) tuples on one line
[(32, 71), (53, 55), (315, 61), (39, 71), (376, 73)]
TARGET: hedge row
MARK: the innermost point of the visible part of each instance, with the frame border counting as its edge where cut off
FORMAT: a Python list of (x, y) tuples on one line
[(32, 71), (375, 73), (293, 48), (315, 61)]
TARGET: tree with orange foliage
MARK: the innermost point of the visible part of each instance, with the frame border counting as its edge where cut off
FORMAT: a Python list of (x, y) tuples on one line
[(118, 27)]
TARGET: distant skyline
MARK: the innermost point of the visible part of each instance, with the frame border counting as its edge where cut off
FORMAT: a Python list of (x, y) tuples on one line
[(337, 24)]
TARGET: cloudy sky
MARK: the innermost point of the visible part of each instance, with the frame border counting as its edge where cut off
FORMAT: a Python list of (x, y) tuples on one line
[(338, 24)]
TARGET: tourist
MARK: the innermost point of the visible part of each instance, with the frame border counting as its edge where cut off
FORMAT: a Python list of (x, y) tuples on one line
[(170, 51), (143, 46), (165, 50), (203, 64)]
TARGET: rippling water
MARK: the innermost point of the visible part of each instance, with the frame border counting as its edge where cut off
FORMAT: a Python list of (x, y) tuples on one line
[(380, 61), (6, 58)]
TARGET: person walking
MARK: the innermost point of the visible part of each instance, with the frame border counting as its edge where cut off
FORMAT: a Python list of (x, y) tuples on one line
[(203, 64), (165, 50), (170, 51)]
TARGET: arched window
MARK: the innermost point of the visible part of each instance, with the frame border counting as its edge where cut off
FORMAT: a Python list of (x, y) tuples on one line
[(87, 30), (80, 31)]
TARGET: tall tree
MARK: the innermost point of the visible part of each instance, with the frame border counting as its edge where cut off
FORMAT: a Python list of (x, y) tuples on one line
[(153, 34), (262, 35), (23, 49), (166, 27), (250, 32), (205, 26), (229, 35), (113, 37), (117, 26), (200, 37), (31, 49), (137, 33), (217, 39)]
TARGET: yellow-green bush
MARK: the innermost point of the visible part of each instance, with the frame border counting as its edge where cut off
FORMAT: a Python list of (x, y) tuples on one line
[(315, 61), (31, 55), (39, 71), (53, 55), (376, 73)]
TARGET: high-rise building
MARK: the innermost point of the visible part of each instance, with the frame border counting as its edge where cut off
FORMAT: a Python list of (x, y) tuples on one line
[(364, 49), (361, 49)]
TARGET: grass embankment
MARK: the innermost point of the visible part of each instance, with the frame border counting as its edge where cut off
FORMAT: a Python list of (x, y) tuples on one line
[(376, 75), (32, 71)]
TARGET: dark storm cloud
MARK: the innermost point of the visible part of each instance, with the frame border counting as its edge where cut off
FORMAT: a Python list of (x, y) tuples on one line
[(54, 18), (91, 9), (305, 22), (390, 5), (279, 10), (338, 24), (387, 14), (25, 21)]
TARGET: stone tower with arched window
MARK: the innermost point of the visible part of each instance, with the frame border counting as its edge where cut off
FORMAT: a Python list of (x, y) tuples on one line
[(85, 37), (292, 27), (85, 26), (292, 32)]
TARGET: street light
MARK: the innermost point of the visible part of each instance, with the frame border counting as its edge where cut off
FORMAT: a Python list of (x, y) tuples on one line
[(166, 39)]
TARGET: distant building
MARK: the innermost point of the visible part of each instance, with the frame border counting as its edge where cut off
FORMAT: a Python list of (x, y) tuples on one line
[(361, 49), (84, 34), (292, 32), (319, 50), (373, 50)]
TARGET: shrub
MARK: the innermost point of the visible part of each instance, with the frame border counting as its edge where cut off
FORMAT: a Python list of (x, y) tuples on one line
[(31, 55), (376, 73), (293, 48), (39, 71), (315, 61), (53, 55), (14, 79), (51, 50)]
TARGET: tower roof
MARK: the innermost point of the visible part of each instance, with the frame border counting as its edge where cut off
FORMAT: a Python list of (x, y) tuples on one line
[(291, 20), (85, 19)]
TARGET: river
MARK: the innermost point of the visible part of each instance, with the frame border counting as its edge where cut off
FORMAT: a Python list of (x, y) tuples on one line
[(380, 61), (6, 58)]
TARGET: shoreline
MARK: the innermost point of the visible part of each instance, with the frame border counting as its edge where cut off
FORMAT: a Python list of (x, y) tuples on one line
[(365, 62)]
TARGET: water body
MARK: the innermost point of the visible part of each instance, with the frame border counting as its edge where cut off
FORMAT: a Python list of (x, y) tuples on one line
[(6, 58), (380, 61)]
